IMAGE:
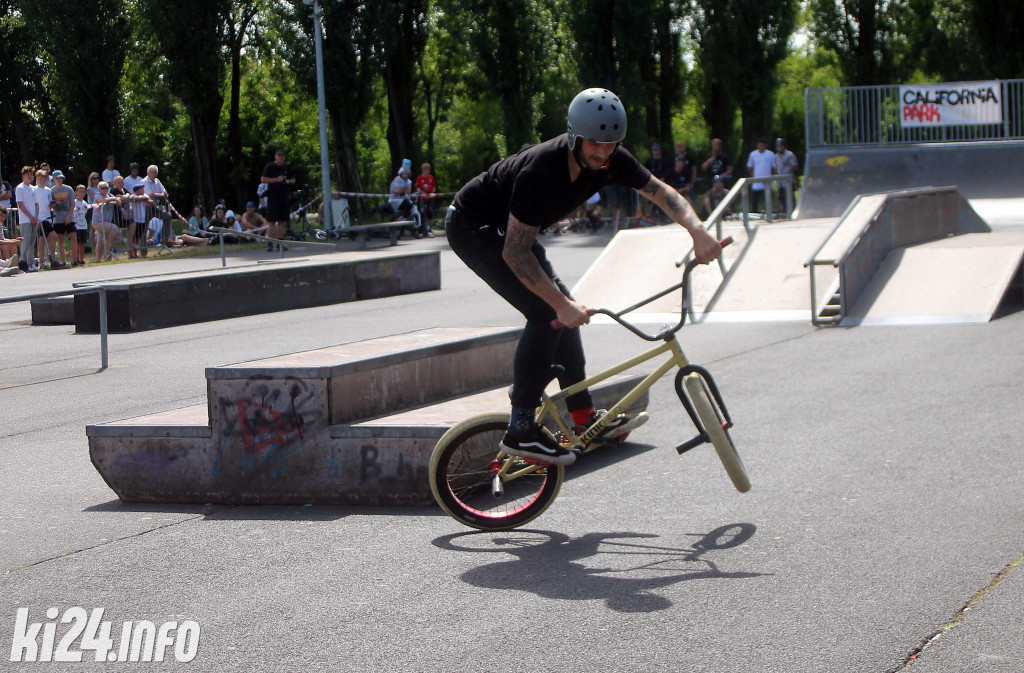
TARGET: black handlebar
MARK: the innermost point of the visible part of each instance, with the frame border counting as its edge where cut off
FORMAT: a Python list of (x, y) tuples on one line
[(681, 285)]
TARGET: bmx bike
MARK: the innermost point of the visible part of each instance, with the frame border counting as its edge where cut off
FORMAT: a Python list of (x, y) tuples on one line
[(483, 487)]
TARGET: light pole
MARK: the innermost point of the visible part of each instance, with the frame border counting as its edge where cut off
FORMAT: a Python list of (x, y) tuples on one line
[(325, 173)]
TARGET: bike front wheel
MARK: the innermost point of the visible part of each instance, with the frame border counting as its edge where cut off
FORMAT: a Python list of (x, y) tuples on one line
[(713, 424), (482, 487)]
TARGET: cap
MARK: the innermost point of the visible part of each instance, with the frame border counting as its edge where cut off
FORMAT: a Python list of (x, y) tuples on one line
[(133, 165), (137, 186), (57, 174), (251, 204), (780, 141), (220, 206), (655, 146)]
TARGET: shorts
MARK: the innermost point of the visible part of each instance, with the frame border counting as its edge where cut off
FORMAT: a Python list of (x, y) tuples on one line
[(47, 227), (277, 211), (427, 208), (64, 228), (82, 236)]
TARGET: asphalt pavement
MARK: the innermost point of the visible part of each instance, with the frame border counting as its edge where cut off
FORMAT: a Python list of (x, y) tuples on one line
[(886, 510)]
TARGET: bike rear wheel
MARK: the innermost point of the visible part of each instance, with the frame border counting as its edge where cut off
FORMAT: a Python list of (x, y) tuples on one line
[(481, 487), (711, 419)]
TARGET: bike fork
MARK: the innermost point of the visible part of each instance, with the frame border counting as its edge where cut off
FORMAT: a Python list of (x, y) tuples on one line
[(716, 396)]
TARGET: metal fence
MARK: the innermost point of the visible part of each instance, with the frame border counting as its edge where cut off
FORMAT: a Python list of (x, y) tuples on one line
[(875, 115)]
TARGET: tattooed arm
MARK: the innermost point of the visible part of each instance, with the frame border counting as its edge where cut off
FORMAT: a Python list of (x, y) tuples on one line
[(517, 253), (705, 247)]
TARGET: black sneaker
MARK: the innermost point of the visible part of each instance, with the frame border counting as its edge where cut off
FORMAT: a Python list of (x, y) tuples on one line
[(538, 444)]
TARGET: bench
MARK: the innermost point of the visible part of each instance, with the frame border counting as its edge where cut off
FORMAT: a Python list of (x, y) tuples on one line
[(393, 229)]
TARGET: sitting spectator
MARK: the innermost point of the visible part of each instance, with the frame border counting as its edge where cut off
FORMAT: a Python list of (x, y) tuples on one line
[(155, 235), (714, 197), (198, 223), (252, 221), (81, 227), (8, 248), (401, 188), (680, 177), (218, 219)]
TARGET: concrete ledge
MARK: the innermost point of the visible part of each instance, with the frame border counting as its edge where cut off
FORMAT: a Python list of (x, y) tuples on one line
[(215, 295), (53, 311), (288, 460)]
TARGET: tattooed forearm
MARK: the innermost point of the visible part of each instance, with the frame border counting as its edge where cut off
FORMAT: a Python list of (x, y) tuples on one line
[(518, 255)]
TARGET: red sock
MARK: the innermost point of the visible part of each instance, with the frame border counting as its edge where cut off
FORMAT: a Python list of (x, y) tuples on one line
[(581, 416)]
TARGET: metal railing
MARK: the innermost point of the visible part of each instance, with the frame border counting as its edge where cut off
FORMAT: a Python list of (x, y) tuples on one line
[(872, 115), (100, 290), (223, 233)]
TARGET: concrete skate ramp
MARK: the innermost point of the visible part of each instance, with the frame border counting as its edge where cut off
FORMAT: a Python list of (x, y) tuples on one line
[(981, 170), (954, 280), (767, 281)]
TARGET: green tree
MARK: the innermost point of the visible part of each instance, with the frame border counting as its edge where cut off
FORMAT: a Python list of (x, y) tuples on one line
[(402, 30), (194, 51), (864, 34)]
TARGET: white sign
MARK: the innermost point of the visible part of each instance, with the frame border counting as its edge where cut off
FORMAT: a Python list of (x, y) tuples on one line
[(960, 103)]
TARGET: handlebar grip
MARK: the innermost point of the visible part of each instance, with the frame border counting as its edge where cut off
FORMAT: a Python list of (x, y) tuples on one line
[(725, 241), (557, 324)]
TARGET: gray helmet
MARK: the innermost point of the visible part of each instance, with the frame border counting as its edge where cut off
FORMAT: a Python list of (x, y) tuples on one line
[(598, 115)]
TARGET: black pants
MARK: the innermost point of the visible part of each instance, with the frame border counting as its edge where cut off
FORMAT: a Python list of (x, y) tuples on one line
[(540, 346)]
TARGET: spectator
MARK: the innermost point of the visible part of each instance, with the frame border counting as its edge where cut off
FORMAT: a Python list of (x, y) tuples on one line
[(92, 189), (122, 214), (718, 163), (49, 179), (45, 248), (785, 164), (104, 230), (109, 173), (155, 231), (230, 222), (142, 211), (426, 187), (218, 219), (8, 248), (690, 169), (6, 191), (198, 223), (760, 164), (681, 177), (252, 221), (401, 188), (133, 178), (155, 189), (63, 224), (714, 197), (28, 218), (81, 227), (277, 175), (657, 164)]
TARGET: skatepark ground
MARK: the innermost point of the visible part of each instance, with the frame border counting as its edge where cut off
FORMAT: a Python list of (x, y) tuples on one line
[(883, 532)]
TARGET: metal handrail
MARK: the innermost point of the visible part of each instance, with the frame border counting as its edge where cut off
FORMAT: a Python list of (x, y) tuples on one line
[(222, 232), (102, 291)]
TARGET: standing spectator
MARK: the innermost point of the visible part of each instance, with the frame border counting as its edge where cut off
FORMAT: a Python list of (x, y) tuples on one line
[(689, 169), (28, 218), (785, 164), (155, 189), (6, 191), (760, 164), (63, 224), (44, 198), (133, 178), (81, 207), (718, 163), (104, 229), (92, 189), (426, 186), (109, 173), (142, 208), (277, 175), (657, 164), (49, 179)]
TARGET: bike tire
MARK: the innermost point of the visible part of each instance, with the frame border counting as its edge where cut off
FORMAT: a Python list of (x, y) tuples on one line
[(711, 419), (461, 478)]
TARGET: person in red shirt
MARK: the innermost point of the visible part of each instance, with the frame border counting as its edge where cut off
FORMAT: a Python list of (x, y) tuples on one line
[(426, 185)]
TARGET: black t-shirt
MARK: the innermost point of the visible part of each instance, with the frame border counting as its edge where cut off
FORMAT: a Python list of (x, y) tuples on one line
[(277, 191), (534, 185), (719, 164)]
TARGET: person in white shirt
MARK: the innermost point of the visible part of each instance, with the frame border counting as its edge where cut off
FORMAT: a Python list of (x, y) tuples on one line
[(109, 173), (81, 207), (28, 218), (760, 164), (133, 178), (47, 246)]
